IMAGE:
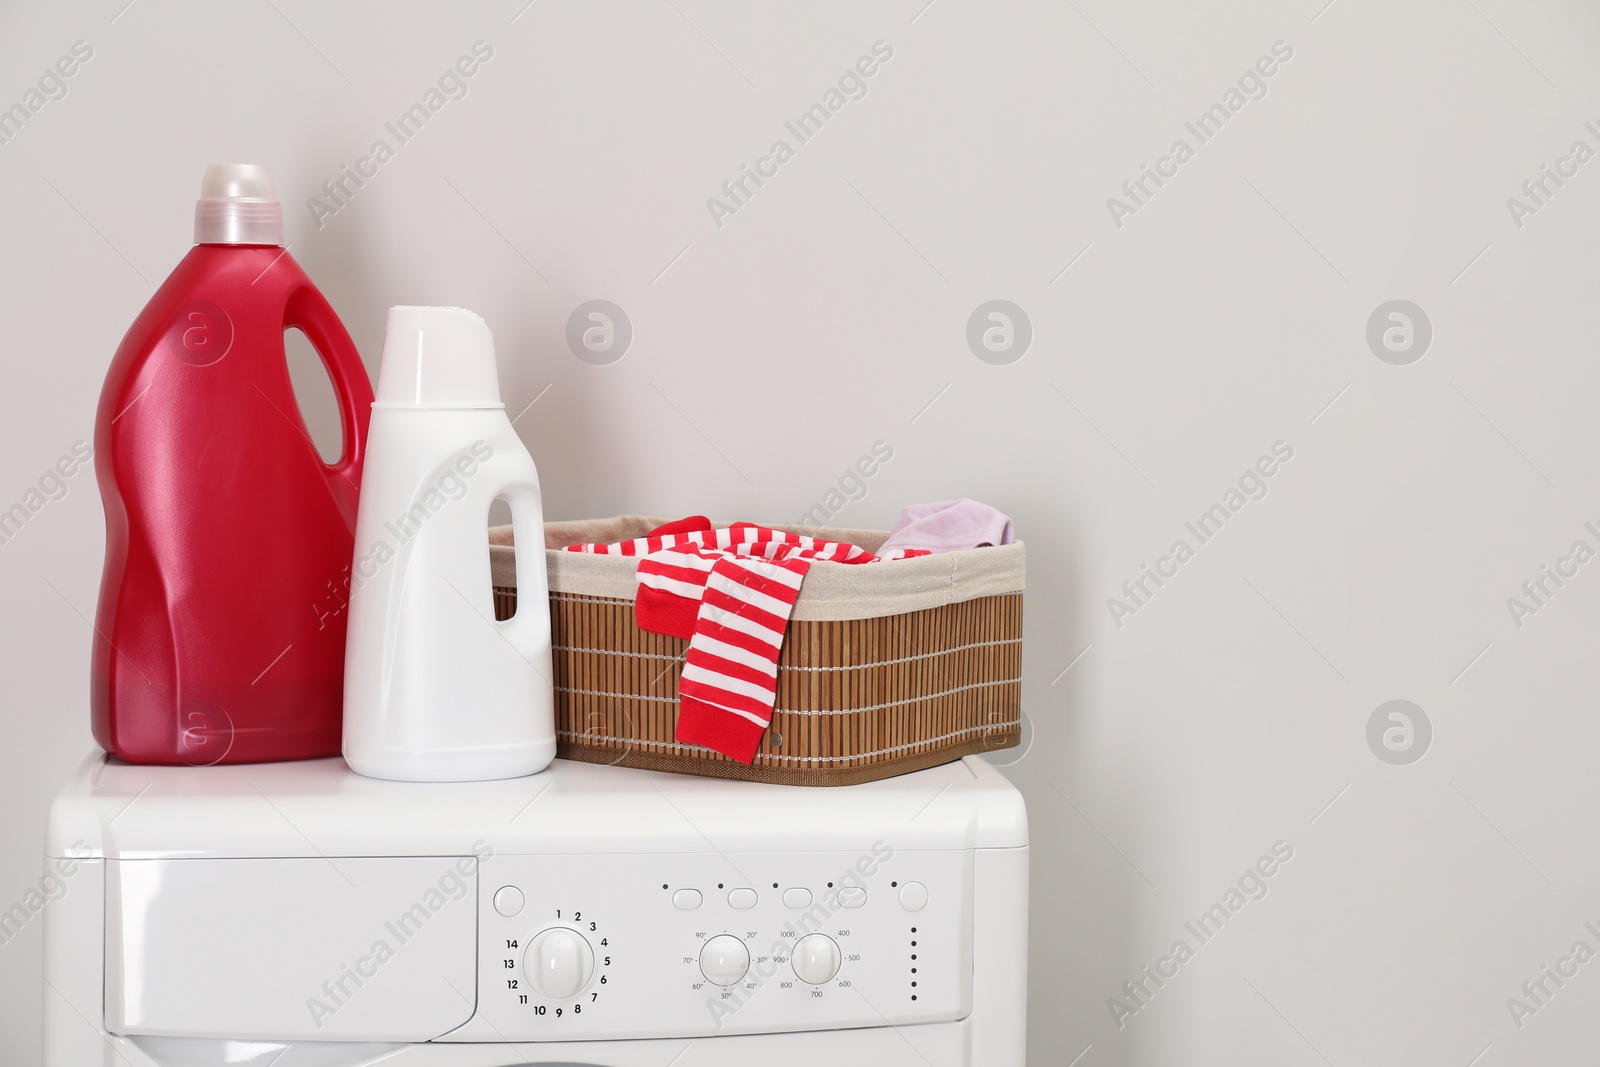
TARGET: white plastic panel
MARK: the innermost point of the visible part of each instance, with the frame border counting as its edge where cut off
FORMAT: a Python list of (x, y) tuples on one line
[(1000, 955), (933, 1045), (896, 967), (364, 949), (74, 936), (582, 808)]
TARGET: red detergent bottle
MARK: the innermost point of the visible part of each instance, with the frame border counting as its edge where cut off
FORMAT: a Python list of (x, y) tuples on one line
[(221, 623)]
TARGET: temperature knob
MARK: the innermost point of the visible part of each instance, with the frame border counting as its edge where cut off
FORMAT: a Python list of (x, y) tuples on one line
[(724, 960), (558, 963), (816, 959)]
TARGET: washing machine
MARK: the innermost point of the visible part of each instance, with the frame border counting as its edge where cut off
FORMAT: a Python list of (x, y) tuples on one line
[(299, 915)]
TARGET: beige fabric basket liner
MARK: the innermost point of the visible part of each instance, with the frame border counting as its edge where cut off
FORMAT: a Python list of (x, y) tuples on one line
[(831, 591)]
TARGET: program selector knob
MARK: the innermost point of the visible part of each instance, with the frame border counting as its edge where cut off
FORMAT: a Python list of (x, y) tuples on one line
[(816, 959), (724, 960), (558, 963)]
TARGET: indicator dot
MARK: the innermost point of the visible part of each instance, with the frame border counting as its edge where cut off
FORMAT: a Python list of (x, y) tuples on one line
[(893, 884), (913, 996), (913, 944), (913, 955)]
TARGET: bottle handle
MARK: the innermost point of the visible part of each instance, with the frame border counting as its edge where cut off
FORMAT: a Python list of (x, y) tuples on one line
[(308, 311), (528, 630)]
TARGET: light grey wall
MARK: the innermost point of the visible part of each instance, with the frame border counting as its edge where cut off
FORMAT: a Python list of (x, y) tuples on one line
[(1172, 747)]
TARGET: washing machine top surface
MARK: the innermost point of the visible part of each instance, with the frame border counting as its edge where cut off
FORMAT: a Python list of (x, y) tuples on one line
[(320, 807)]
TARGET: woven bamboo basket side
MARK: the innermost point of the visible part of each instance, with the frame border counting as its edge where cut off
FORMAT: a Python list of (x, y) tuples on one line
[(857, 699)]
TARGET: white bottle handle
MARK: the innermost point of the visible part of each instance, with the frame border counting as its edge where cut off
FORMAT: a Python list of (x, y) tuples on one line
[(526, 629)]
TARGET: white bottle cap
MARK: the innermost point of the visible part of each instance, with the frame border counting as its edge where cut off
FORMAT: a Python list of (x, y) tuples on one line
[(437, 357), (238, 206)]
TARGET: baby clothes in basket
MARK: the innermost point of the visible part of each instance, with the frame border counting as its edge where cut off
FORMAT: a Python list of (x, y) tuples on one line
[(948, 526)]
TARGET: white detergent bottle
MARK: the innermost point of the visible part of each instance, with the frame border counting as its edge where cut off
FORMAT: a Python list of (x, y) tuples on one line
[(436, 690)]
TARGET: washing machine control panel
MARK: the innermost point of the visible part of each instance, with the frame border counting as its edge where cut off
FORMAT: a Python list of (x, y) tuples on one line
[(637, 946)]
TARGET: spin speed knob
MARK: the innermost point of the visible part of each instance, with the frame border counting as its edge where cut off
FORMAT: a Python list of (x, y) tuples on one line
[(816, 959), (558, 963), (724, 960)]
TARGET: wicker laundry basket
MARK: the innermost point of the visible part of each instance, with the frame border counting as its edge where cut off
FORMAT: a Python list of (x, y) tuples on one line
[(886, 667)]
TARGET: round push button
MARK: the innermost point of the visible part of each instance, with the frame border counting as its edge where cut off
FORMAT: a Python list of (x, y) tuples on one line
[(913, 896), (797, 898), (508, 900), (686, 899), (742, 898)]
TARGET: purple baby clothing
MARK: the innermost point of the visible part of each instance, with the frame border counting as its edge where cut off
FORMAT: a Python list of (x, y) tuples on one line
[(948, 526)]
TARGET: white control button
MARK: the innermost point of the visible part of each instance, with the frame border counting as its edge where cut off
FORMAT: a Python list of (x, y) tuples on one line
[(558, 963), (816, 959), (852, 897), (724, 960), (508, 900), (742, 898), (686, 899), (797, 898), (913, 896)]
